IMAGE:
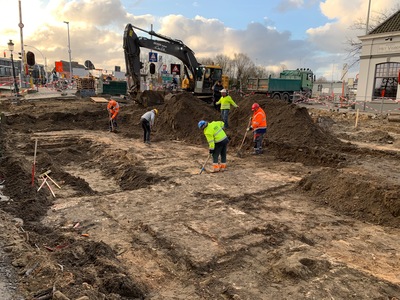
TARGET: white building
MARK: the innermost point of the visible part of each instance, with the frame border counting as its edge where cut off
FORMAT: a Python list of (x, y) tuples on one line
[(380, 62)]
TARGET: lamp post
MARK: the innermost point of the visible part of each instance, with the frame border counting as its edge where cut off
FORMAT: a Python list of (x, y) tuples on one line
[(69, 52), (11, 48), (367, 25), (45, 61), (21, 26)]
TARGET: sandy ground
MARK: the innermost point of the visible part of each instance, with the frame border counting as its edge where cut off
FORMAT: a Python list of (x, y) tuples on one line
[(314, 217)]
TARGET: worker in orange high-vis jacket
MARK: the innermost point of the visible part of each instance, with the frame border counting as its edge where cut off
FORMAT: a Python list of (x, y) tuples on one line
[(259, 127), (113, 110)]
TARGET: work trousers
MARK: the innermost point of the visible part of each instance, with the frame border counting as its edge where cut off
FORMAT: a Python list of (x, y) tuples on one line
[(258, 140), (220, 150), (113, 124), (224, 116), (146, 130), (216, 97)]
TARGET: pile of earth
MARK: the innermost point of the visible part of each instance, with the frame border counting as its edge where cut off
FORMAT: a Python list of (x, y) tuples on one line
[(365, 197), (292, 135)]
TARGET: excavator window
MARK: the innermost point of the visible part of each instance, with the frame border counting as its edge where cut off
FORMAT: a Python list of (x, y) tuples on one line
[(199, 74)]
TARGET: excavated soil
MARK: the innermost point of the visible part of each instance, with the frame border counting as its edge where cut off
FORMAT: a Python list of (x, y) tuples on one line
[(317, 216)]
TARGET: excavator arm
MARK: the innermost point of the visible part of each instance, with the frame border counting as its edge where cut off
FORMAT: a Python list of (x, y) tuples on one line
[(133, 43)]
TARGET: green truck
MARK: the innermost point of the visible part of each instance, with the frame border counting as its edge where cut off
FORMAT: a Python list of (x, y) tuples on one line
[(291, 85)]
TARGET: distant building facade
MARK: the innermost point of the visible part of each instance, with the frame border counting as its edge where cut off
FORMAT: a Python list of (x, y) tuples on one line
[(380, 62)]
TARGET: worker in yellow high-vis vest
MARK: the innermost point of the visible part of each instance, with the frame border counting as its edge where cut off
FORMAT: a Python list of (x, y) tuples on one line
[(217, 142), (226, 101)]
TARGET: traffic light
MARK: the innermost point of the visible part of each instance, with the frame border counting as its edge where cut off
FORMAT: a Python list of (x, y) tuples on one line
[(152, 68), (30, 58), (20, 55)]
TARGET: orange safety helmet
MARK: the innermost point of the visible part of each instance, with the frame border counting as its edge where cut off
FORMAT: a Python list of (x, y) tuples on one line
[(255, 106)]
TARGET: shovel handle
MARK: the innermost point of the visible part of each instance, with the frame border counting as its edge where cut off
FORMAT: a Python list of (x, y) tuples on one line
[(204, 165), (245, 134)]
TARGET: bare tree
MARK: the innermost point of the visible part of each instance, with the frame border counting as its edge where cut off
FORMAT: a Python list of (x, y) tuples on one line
[(206, 61), (354, 45), (223, 61), (243, 66), (321, 79)]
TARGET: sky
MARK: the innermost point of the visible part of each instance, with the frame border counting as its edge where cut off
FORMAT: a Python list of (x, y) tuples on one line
[(274, 34)]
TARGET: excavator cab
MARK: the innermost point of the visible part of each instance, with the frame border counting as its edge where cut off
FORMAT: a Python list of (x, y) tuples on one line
[(205, 78)]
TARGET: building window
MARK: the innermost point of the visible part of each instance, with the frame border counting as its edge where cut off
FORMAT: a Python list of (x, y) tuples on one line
[(386, 80)]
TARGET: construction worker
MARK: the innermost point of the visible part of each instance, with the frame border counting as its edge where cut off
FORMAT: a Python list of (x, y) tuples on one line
[(147, 121), (226, 101), (185, 83), (259, 127), (217, 142), (217, 94), (113, 110)]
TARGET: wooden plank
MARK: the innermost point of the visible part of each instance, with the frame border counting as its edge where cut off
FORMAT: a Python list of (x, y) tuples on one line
[(99, 99)]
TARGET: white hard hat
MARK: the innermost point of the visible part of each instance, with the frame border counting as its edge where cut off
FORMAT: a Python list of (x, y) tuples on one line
[(223, 91)]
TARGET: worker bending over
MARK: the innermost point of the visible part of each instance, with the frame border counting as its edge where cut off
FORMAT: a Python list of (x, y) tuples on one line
[(147, 121), (217, 142), (113, 110)]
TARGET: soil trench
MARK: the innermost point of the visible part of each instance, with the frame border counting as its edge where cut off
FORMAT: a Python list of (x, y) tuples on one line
[(316, 216)]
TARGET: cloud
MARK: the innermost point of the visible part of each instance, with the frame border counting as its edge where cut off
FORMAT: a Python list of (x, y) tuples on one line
[(286, 5), (96, 30)]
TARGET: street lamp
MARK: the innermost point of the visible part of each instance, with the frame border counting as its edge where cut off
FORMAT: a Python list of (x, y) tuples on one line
[(45, 61), (69, 52), (11, 48)]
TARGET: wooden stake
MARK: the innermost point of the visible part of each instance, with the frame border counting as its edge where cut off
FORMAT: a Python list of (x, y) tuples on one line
[(53, 181), (357, 118), (44, 181), (51, 190), (34, 163)]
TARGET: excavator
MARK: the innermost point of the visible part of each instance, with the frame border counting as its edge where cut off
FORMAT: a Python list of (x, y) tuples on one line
[(201, 77)]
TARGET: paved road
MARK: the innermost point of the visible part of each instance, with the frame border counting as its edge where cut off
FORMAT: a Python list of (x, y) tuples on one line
[(372, 107)]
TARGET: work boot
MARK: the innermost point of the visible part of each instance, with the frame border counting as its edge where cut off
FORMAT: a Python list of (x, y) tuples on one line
[(222, 167), (215, 168)]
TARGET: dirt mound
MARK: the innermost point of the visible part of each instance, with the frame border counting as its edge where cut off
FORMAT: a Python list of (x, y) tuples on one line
[(148, 98), (292, 134), (378, 136), (179, 117), (363, 197)]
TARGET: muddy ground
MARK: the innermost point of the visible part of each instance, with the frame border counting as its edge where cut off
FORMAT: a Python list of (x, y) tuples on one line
[(317, 216)]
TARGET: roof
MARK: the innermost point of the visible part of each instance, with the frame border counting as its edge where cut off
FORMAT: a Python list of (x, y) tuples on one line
[(392, 24)]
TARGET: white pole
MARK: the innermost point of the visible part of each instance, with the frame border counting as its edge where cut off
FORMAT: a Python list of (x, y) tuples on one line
[(69, 52), (21, 25), (367, 25)]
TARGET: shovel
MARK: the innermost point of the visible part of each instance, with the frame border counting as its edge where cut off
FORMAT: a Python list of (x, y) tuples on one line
[(244, 138), (204, 165)]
